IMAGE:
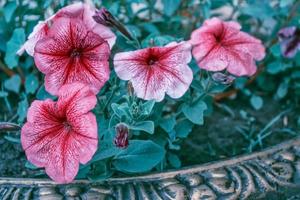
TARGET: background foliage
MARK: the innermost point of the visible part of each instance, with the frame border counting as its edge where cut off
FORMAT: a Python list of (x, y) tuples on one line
[(156, 129)]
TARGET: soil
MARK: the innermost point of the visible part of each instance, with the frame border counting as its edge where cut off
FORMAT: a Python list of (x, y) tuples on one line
[(217, 139)]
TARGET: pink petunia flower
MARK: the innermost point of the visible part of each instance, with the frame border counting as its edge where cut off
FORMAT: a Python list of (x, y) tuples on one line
[(71, 53), (155, 71), (219, 45), (82, 11), (60, 135)]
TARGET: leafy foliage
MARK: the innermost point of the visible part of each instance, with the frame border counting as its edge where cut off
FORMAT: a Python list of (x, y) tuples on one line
[(156, 129)]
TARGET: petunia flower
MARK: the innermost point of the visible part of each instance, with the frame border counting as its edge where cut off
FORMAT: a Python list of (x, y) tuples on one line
[(71, 53), (81, 11), (60, 135), (289, 38), (155, 71), (219, 45)]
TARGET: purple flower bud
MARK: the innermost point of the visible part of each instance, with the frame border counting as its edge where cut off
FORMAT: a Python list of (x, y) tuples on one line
[(223, 78), (121, 139), (289, 39), (104, 17)]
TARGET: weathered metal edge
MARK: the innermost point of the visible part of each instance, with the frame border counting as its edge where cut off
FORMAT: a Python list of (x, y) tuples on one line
[(276, 169)]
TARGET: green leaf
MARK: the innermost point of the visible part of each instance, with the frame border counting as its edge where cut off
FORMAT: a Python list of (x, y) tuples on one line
[(282, 89), (147, 107), (168, 123), (120, 110), (13, 83), (256, 102), (12, 46), (260, 10), (22, 110), (183, 128), (140, 156), (174, 160), (275, 50), (106, 150), (284, 3), (274, 67), (9, 10), (3, 94), (31, 84), (42, 94), (170, 6), (31, 166), (147, 126), (195, 111)]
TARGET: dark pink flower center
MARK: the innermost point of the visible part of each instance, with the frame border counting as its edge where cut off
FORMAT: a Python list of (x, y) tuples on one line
[(67, 126), (75, 53), (151, 60), (218, 38)]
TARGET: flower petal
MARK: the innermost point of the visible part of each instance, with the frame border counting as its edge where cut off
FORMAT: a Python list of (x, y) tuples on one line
[(218, 45), (77, 98), (169, 73), (53, 56), (58, 137)]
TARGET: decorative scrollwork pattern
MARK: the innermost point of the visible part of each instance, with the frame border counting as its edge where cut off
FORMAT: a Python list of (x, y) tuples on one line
[(271, 174)]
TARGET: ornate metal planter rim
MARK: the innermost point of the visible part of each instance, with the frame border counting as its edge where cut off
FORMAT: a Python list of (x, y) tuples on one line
[(254, 175)]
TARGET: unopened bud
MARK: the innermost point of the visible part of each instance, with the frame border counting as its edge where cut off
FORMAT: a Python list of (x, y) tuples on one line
[(121, 139), (223, 78), (104, 17)]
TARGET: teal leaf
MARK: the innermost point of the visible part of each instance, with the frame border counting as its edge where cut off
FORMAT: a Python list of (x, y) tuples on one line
[(195, 112), (275, 50), (12, 46), (147, 107), (3, 94), (31, 84), (13, 83), (106, 150), (42, 94), (275, 67), (183, 128), (256, 102), (120, 110), (174, 160), (31, 166), (9, 10), (22, 110), (170, 6), (140, 156), (282, 89), (168, 123), (147, 126)]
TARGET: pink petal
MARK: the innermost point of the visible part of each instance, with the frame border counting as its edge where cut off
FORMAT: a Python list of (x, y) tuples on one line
[(247, 44), (81, 11), (241, 64), (85, 12), (53, 56), (77, 97), (39, 31), (218, 45), (170, 74), (58, 137)]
